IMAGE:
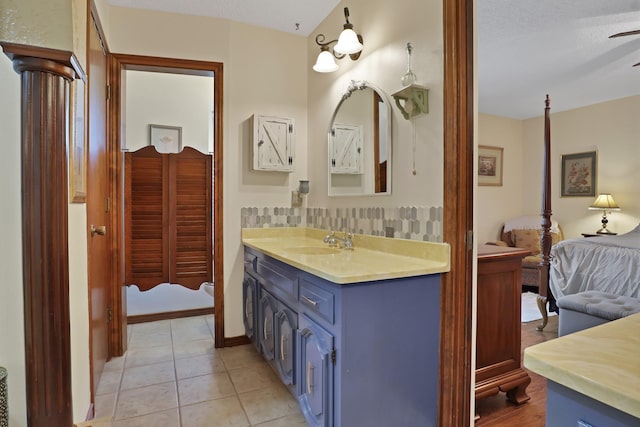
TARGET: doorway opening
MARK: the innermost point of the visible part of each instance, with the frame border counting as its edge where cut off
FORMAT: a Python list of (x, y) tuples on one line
[(139, 87)]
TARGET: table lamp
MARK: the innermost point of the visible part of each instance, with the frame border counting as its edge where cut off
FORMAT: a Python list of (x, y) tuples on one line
[(606, 204)]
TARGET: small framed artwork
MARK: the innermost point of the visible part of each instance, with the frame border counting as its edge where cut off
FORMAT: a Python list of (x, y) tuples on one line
[(490, 165), (579, 174), (77, 149), (166, 139)]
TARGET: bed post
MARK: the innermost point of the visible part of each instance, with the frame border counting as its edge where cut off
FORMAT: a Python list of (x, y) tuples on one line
[(544, 293)]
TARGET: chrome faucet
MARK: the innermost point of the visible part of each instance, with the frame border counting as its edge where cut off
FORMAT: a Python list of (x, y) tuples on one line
[(345, 242)]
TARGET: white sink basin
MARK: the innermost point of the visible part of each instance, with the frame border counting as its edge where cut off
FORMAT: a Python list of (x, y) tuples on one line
[(312, 250)]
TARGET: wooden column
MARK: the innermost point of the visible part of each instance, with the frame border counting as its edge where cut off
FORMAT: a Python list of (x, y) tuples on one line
[(45, 76)]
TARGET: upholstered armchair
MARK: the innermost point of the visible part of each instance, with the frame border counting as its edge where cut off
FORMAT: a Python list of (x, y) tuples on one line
[(524, 232)]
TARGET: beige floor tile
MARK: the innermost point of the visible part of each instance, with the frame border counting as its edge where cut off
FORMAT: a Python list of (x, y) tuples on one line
[(109, 382), (192, 331), (268, 404), (210, 323), (226, 412), (288, 421), (101, 422), (240, 356), (148, 356), (253, 377), (114, 364), (159, 326), (200, 365), (140, 376), (204, 387), (146, 400), (141, 340), (186, 349), (168, 418), (104, 405)]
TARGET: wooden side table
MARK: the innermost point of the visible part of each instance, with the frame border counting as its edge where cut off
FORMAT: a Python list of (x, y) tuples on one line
[(498, 346)]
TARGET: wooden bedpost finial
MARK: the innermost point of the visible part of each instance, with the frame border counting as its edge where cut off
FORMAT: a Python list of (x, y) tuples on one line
[(547, 101)]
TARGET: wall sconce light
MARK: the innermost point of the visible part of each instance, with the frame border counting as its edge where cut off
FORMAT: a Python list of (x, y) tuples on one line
[(412, 100), (297, 197), (348, 43), (606, 204)]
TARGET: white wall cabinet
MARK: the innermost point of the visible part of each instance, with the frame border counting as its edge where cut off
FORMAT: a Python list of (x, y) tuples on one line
[(273, 148), (345, 149)]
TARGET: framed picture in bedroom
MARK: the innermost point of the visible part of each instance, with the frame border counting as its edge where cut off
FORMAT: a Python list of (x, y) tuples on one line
[(166, 139), (490, 165), (578, 177)]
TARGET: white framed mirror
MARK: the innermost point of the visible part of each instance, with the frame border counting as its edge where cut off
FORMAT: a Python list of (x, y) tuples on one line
[(359, 143)]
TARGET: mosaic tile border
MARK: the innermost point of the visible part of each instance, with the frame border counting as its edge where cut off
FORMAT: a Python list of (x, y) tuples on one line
[(406, 222)]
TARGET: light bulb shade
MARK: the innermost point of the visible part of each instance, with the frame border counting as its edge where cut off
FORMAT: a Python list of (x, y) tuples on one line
[(604, 202), (348, 42), (325, 63)]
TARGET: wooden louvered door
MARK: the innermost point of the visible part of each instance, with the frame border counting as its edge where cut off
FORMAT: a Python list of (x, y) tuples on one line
[(168, 230), (190, 218)]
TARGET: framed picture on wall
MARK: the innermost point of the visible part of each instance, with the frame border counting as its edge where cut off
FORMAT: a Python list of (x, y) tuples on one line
[(166, 139), (579, 174), (77, 149), (490, 165)]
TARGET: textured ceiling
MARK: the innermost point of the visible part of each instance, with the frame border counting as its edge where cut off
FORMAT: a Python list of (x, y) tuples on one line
[(280, 15), (526, 48)]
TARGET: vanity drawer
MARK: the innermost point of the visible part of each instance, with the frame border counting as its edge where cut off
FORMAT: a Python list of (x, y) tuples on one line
[(318, 300), (284, 281), (250, 261)]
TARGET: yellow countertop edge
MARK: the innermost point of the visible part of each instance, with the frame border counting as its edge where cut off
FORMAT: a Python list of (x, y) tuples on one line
[(437, 254), (574, 372)]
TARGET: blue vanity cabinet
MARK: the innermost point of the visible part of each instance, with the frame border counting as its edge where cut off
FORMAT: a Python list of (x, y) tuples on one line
[(315, 366), (286, 321), (249, 314), (267, 310), (355, 354)]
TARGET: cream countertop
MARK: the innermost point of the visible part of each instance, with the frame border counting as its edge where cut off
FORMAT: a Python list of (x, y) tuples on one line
[(373, 258), (602, 363)]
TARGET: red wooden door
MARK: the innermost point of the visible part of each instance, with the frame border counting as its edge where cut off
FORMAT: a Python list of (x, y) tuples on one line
[(98, 210)]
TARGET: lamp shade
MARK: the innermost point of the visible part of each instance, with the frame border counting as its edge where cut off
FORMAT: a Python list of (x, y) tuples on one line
[(604, 202), (325, 63), (348, 42)]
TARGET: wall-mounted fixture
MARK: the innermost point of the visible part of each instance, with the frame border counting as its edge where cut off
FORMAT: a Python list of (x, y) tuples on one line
[(348, 43), (412, 100), (297, 197), (606, 204)]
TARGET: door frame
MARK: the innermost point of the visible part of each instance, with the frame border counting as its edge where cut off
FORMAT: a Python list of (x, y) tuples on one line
[(118, 63), (456, 295)]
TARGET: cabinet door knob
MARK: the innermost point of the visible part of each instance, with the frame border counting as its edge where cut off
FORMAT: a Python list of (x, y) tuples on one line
[(100, 230), (310, 301)]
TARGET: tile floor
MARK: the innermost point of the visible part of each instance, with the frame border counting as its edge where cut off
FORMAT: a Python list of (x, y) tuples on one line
[(172, 376)]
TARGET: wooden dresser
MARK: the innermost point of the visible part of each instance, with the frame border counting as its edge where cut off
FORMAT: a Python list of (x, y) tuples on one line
[(498, 358)]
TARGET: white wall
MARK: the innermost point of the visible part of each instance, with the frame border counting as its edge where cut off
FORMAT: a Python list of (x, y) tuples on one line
[(11, 300), (265, 72), (610, 128), (386, 28), (496, 204), (168, 100)]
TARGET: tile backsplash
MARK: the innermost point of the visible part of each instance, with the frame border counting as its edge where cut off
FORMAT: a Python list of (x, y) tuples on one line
[(407, 222)]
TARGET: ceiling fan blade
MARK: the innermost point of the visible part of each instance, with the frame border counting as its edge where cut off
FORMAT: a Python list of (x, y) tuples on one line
[(626, 33), (635, 65)]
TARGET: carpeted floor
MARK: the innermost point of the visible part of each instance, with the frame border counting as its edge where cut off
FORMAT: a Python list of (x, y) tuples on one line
[(530, 311)]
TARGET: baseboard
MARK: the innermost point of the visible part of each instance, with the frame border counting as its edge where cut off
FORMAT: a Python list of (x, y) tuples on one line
[(233, 341), (152, 317)]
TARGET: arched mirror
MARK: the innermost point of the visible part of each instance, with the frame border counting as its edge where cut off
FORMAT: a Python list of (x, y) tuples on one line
[(359, 143)]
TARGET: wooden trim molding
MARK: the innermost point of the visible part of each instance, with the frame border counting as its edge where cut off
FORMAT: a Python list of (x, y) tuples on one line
[(120, 62), (152, 317), (457, 285), (45, 76)]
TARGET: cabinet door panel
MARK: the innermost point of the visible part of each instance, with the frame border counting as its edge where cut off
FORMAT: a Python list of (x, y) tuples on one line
[(268, 308), (250, 314), (286, 324), (316, 373)]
